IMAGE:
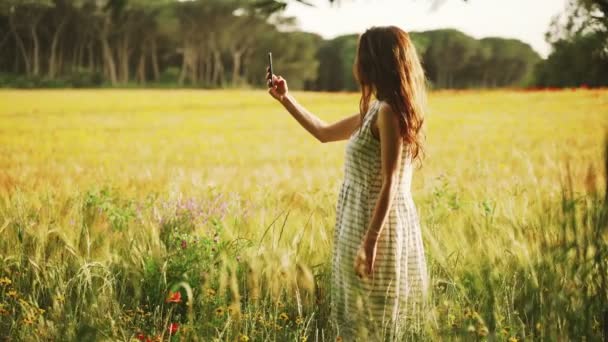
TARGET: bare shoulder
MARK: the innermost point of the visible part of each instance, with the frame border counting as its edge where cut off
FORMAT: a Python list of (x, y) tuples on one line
[(386, 120)]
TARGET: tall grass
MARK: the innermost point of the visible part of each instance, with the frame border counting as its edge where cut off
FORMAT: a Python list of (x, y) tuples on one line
[(112, 252)]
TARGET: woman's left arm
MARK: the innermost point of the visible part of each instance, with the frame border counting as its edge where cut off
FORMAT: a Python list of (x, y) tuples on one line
[(391, 148)]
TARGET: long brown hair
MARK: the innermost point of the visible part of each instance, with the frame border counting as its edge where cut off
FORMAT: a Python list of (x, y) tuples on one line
[(387, 66)]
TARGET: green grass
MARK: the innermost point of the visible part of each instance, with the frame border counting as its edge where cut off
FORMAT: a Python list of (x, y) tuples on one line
[(111, 199)]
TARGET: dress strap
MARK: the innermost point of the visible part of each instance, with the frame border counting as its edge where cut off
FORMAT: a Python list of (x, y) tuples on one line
[(367, 124), (373, 109)]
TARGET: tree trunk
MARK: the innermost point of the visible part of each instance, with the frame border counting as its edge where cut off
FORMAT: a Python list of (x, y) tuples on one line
[(182, 73), (80, 55), (5, 39), (54, 43), (236, 66), (60, 61), (20, 45), (189, 65), (109, 62), (124, 56), (91, 56), (154, 55), (208, 68), (141, 67), (108, 57), (218, 69), (36, 49), (194, 65)]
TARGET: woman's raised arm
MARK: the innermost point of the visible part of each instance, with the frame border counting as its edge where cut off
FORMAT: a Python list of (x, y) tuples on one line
[(339, 130)]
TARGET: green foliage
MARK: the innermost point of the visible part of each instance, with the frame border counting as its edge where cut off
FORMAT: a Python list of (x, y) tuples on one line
[(336, 58), (579, 39), (103, 202), (451, 60), (177, 43), (575, 62)]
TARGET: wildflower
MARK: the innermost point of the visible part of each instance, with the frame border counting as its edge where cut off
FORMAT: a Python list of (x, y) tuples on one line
[(339, 339), (219, 311), (5, 281), (482, 331), (210, 292), (467, 313), (184, 244), (173, 328), (283, 316), (174, 297), (280, 304), (471, 328), (277, 327), (244, 338), (4, 312), (60, 298), (22, 302), (538, 326), (299, 320), (304, 338), (41, 311), (13, 294), (513, 339), (141, 336)]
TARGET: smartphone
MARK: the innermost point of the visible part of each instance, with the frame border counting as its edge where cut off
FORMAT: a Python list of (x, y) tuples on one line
[(270, 82)]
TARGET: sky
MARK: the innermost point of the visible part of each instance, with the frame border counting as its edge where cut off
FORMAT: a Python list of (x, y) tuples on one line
[(527, 20)]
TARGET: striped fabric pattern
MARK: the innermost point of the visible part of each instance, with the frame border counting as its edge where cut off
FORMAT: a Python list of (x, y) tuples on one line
[(381, 307)]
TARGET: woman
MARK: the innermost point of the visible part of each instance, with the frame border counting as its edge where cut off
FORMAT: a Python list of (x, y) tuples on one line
[(379, 275)]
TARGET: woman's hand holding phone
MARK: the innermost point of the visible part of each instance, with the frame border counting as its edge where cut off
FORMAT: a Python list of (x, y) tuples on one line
[(278, 89)]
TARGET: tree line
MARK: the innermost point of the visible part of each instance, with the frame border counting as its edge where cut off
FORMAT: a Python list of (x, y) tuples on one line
[(579, 38), (223, 43)]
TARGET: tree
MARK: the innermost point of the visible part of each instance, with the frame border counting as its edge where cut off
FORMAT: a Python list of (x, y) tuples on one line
[(446, 55), (25, 15), (336, 59), (579, 38)]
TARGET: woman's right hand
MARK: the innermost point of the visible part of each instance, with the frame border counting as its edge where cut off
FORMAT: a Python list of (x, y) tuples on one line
[(279, 88)]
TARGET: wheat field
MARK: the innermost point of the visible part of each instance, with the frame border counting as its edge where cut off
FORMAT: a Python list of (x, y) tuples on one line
[(203, 215)]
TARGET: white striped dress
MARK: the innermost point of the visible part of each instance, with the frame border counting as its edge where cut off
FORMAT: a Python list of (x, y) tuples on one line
[(379, 308)]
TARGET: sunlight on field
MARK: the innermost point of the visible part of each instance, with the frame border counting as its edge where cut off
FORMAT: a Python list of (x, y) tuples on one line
[(495, 159), (482, 146)]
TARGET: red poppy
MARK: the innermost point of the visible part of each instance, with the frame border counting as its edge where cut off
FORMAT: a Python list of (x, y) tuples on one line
[(174, 297), (141, 336), (173, 328)]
